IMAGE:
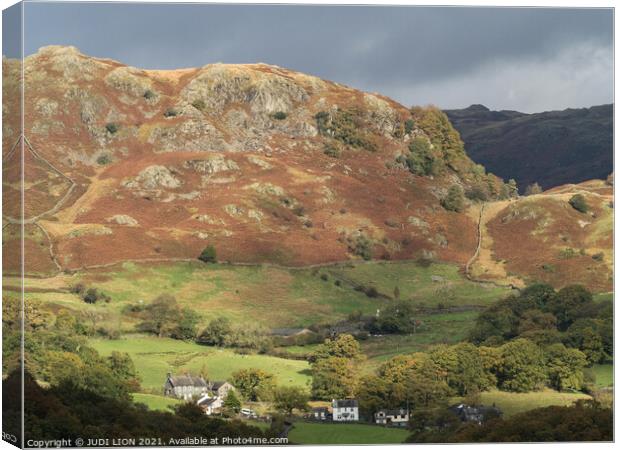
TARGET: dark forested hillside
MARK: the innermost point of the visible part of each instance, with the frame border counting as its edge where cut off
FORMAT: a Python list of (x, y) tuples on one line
[(550, 148)]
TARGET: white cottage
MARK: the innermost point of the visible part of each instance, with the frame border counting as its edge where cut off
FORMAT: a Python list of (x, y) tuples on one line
[(345, 410), (210, 404)]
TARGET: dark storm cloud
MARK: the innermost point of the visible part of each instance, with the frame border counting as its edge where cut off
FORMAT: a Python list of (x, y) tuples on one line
[(416, 54)]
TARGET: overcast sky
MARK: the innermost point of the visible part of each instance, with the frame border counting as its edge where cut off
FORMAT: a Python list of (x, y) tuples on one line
[(506, 58)]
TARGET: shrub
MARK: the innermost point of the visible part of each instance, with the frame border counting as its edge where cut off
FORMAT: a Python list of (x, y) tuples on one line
[(567, 253), (279, 115), (409, 126), (454, 200), (78, 288), (345, 126), (578, 202), (299, 211), (148, 94), (598, 256), (362, 246), (92, 295), (208, 255), (324, 277), (421, 160), (170, 112), (424, 261), (396, 318), (108, 333), (371, 292), (331, 150), (477, 193), (533, 189), (104, 159), (112, 128), (199, 104)]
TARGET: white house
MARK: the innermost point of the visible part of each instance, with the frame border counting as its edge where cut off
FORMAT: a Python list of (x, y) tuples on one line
[(210, 404), (345, 410), (392, 417), (320, 413)]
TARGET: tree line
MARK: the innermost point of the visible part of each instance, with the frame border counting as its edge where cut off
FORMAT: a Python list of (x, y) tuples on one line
[(545, 316)]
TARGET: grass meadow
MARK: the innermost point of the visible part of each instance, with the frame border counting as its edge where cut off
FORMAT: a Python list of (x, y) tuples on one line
[(156, 402), (274, 297), (329, 433), (604, 374), (512, 403), (155, 357)]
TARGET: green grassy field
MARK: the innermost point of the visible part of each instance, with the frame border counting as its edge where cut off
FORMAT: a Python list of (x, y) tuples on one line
[(329, 433), (155, 402), (604, 374), (512, 403), (441, 328), (416, 283), (154, 358), (275, 297)]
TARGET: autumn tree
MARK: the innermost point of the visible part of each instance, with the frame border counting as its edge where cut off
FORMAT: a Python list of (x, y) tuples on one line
[(522, 366), (288, 398), (216, 332), (533, 189), (344, 346), (333, 377), (164, 317), (254, 384), (565, 367)]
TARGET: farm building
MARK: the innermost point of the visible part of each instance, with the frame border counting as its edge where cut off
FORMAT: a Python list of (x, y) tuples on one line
[(219, 388), (188, 387), (185, 387)]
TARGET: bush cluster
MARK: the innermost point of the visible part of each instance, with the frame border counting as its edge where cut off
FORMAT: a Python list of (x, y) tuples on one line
[(346, 126)]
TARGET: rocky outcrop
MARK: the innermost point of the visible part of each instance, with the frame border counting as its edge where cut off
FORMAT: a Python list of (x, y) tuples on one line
[(122, 219), (154, 177), (133, 83), (220, 85), (188, 135), (211, 165)]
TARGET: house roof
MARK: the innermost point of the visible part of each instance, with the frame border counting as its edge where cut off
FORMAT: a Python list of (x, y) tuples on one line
[(187, 380), (320, 409), (206, 401), (348, 403), (469, 412), (217, 384), (392, 412)]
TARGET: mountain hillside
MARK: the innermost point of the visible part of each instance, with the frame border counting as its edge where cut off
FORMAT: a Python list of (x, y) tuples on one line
[(265, 164), (550, 148)]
